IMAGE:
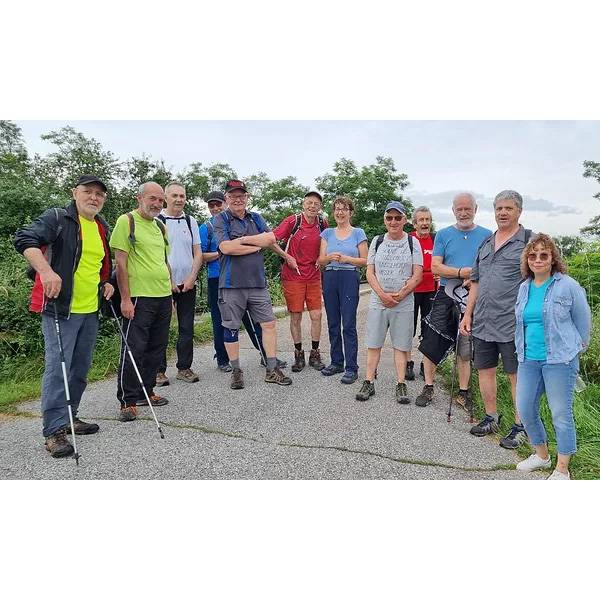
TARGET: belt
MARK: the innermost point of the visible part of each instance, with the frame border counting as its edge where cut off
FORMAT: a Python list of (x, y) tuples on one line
[(340, 269)]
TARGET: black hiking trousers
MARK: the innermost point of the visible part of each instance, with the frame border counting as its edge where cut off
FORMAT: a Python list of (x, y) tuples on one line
[(147, 335)]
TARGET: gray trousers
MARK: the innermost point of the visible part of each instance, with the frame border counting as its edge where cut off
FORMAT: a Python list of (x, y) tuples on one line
[(78, 335)]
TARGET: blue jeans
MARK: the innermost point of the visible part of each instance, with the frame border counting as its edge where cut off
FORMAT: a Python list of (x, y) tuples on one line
[(558, 381), (340, 293), (78, 335)]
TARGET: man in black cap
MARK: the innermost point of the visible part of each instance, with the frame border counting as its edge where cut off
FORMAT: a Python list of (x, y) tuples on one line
[(68, 250)]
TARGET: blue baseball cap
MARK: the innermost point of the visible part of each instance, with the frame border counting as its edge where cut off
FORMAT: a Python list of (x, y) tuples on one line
[(395, 205)]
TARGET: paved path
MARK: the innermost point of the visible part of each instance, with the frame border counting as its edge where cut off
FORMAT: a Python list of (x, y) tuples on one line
[(313, 429)]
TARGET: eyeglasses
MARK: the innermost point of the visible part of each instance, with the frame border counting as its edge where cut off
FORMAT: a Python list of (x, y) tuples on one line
[(394, 217), (543, 256), (340, 209)]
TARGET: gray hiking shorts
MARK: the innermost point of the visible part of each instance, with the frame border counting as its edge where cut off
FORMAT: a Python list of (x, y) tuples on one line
[(233, 303), (400, 325)]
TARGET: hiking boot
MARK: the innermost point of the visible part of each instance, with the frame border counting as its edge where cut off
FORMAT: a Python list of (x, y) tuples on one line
[(187, 375), (486, 426), (161, 380), (156, 401), (276, 376), (533, 463), (425, 397), (82, 428), (225, 368), (515, 438), (314, 360), (332, 370), (58, 445), (464, 400), (367, 389), (410, 371), (128, 413), (299, 361), (402, 393), (281, 364), (237, 379), (349, 377)]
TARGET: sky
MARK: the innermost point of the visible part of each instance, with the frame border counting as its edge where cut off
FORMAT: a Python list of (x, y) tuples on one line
[(540, 159)]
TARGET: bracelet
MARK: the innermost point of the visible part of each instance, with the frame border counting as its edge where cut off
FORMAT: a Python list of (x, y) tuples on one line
[(459, 273)]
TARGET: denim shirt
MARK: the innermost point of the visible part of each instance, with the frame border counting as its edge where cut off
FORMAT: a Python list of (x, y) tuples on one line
[(566, 316)]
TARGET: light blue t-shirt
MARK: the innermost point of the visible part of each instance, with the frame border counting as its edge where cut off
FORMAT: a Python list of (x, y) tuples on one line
[(458, 248), (349, 246), (209, 244), (535, 340)]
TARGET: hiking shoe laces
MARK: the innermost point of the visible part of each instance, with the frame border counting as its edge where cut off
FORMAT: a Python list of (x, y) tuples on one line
[(58, 445), (486, 426), (188, 375), (515, 437), (276, 376), (425, 397), (402, 393), (367, 389), (299, 361), (82, 428), (237, 379)]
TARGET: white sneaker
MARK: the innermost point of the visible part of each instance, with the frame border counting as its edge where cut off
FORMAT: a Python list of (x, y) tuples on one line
[(556, 474), (533, 463)]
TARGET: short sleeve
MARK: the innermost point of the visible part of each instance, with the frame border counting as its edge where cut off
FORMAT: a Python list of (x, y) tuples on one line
[(261, 222), (283, 230), (439, 244), (119, 239), (360, 234), (195, 233), (325, 234), (220, 232), (417, 255), (475, 270), (203, 234), (371, 254)]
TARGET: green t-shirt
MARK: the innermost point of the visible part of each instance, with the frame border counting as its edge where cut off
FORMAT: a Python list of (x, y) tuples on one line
[(148, 273), (87, 275)]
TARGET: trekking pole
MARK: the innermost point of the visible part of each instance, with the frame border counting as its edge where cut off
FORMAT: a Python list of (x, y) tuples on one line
[(260, 347), (112, 308), (66, 382), (454, 372)]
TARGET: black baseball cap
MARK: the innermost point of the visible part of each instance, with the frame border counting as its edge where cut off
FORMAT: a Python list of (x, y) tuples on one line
[(215, 196), (314, 193), (235, 184), (85, 179)]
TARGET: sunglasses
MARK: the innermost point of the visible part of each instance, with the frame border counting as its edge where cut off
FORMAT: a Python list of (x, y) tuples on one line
[(213, 204), (394, 217), (543, 256)]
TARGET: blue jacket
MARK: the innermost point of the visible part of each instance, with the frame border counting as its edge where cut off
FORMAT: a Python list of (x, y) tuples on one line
[(566, 316)]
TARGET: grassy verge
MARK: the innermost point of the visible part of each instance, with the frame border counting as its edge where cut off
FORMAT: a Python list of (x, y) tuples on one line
[(22, 379), (586, 463)]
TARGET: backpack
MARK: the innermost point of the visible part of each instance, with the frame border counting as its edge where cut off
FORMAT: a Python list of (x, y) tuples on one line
[(188, 222), (61, 214), (296, 226)]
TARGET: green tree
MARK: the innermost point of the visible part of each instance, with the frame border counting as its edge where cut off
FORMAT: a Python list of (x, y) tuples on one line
[(592, 169), (20, 200), (371, 187), (275, 200), (569, 245)]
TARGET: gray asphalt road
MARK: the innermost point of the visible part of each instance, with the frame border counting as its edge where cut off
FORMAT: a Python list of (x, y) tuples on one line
[(313, 429)]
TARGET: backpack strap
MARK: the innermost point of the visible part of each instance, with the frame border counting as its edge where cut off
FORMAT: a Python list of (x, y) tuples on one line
[(379, 239), (432, 236), (528, 234), (131, 236), (297, 223), (321, 223), (210, 230), (257, 219)]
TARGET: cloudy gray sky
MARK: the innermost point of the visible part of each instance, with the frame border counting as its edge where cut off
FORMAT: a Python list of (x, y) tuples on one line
[(540, 159)]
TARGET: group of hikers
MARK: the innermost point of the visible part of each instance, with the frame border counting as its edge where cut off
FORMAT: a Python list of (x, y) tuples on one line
[(480, 294)]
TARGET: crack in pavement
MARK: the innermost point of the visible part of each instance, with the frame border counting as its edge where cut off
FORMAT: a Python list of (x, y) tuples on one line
[(370, 453)]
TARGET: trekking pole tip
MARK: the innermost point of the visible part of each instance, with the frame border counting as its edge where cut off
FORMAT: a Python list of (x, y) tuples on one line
[(162, 435), (76, 457)]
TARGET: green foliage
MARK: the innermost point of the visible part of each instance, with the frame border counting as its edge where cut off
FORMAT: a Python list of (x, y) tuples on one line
[(590, 359), (585, 268), (569, 245), (592, 169), (371, 187)]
